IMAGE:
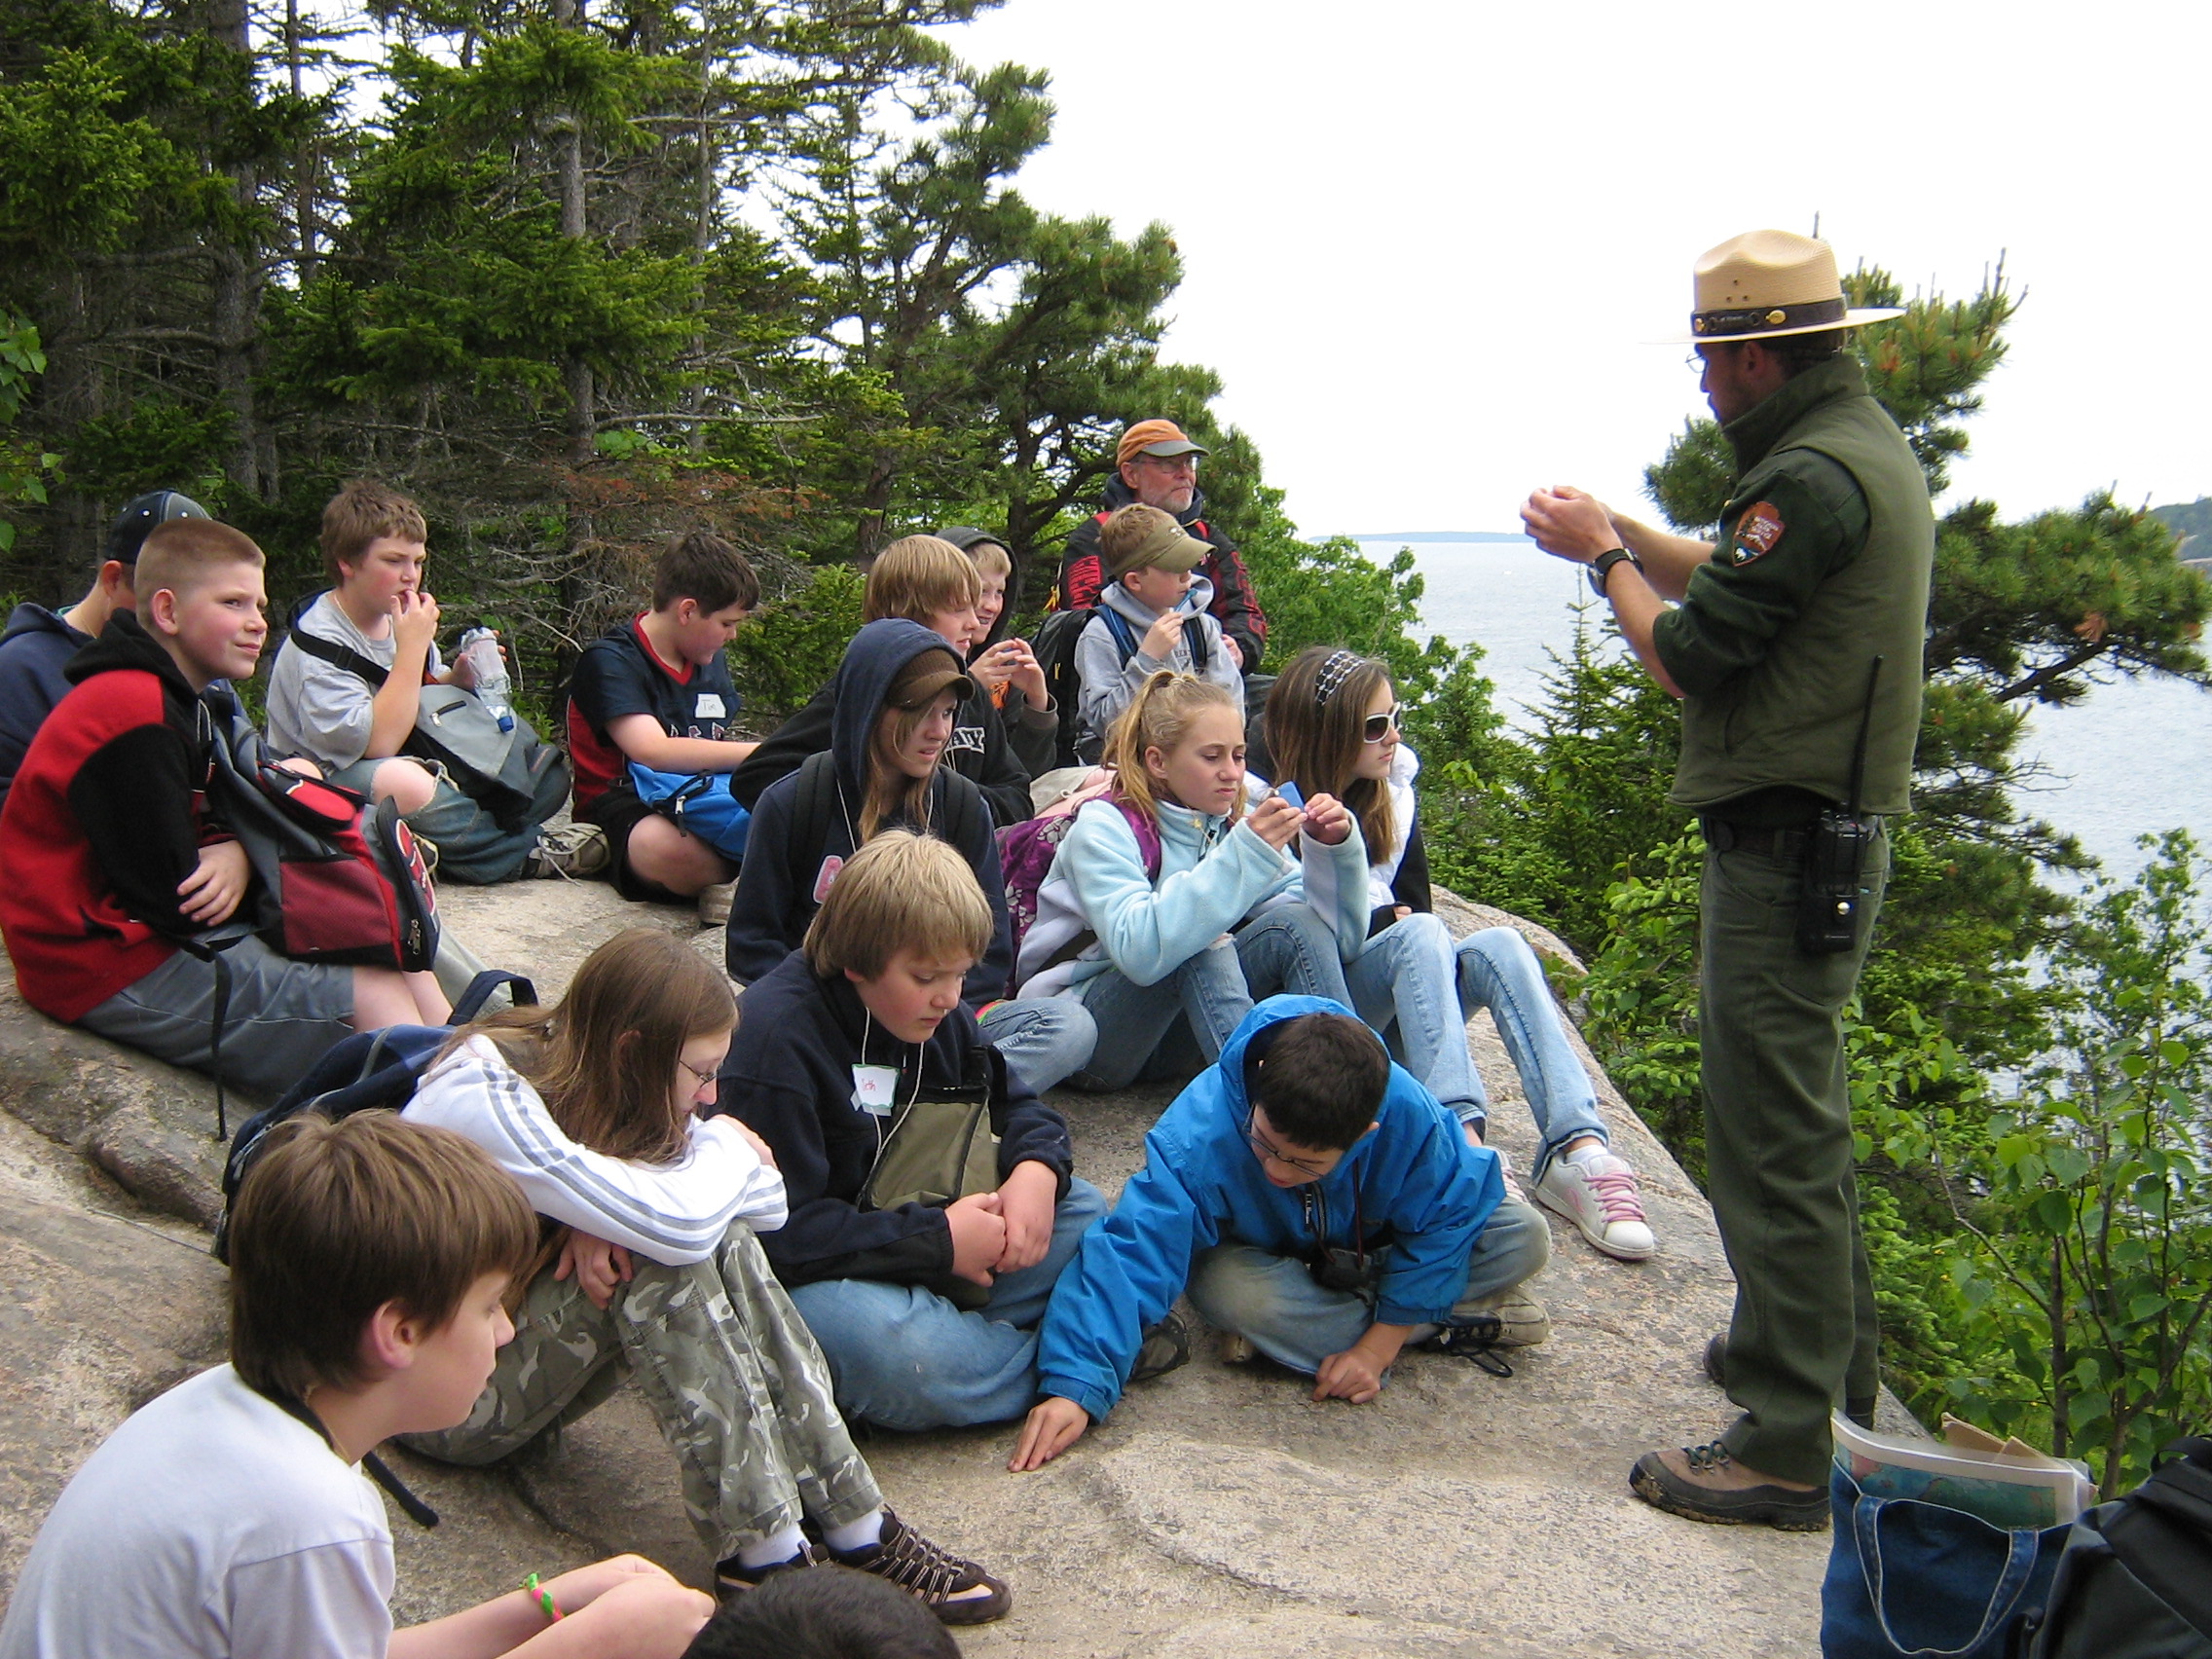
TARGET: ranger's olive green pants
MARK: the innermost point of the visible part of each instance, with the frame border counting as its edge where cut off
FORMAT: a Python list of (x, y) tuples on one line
[(1779, 1167)]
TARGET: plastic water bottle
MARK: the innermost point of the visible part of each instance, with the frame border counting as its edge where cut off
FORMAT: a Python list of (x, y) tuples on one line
[(480, 649)]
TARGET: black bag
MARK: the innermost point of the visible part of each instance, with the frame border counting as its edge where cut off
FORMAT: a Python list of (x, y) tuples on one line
[(1054, 648), (368, 1070), (2135, 1581), (516, 776)]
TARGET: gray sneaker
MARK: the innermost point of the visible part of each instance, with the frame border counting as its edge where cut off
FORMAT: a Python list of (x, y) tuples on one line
[(570, 852), (714, 903), (1522, 1321)]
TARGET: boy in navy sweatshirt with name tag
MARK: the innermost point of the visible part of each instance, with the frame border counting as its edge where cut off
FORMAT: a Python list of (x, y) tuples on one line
[(927, 1313)]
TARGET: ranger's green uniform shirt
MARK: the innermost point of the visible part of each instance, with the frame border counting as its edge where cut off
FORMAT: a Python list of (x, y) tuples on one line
[(1824, 562)]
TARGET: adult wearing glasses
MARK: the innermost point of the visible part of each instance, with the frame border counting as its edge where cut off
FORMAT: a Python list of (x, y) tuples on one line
[(1332, 726), (1158, 465), (1795, 645)]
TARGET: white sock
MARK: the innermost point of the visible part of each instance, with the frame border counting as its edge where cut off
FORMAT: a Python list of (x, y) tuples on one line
[(778, 1546), (855, 1534), (1584, 1153)]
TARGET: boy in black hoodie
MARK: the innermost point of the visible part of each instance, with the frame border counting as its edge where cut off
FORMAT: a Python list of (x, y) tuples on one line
[(836, 1043), (892, 710), (925, 579)]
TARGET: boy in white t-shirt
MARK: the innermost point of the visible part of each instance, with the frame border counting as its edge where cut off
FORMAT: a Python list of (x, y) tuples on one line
[(347, 693), (370, 1263)]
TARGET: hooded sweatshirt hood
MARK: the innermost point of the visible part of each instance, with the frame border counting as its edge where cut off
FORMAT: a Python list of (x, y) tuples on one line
[(865, 678)]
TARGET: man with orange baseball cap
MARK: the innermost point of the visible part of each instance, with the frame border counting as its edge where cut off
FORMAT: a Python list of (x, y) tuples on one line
[(1159, 467)]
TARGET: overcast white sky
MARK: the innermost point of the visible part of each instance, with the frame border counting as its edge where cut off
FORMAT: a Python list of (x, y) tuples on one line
[(1424, 241)]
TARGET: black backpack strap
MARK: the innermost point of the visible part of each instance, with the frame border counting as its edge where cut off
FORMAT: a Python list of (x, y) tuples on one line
[(339, 656), (811, 812), (1194, 637), (479, 991)]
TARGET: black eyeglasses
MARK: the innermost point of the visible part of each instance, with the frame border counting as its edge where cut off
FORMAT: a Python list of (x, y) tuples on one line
[(1265, 1149), (704, 1077), (1380, 725)]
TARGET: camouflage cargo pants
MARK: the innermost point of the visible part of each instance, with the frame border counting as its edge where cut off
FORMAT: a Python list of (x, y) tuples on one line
[(733, 1374)]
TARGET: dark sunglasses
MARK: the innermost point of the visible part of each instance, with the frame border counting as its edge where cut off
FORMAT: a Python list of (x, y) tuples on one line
[(1379, 726)]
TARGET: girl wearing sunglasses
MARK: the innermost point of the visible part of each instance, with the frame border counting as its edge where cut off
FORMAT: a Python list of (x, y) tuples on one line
[(1332, 729)]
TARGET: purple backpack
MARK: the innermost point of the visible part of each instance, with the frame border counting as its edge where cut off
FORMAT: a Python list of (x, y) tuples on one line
[(1027, 851)]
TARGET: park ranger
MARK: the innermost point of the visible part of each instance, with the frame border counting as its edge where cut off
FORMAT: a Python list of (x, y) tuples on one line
[(1795, 645)]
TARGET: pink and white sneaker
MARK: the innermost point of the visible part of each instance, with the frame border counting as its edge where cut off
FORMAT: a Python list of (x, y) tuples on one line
[(1598, 1192)]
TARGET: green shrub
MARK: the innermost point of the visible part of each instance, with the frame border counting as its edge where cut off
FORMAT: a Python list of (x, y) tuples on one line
[(792, 648)]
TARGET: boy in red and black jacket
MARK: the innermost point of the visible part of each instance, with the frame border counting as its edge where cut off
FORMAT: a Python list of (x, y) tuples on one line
[(115, 860), (1158, 465)]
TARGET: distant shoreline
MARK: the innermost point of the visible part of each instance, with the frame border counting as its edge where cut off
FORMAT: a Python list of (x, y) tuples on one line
[(1441, 535)]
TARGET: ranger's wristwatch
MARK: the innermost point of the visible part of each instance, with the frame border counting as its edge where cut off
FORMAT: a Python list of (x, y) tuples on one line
[(1602, 564)]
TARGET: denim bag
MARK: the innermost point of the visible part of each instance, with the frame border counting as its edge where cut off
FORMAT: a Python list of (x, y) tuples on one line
[(1913, 1580)]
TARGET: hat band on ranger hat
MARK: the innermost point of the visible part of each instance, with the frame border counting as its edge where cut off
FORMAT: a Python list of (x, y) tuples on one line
[(1760, 319)]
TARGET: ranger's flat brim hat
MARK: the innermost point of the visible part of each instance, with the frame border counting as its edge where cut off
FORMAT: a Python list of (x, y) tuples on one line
[(1764, 284)]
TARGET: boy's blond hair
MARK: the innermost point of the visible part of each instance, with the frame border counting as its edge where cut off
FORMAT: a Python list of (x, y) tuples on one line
[(335, 1220), (919, 578), (900, 892), (180, 554), (990, 560), (358, 515)]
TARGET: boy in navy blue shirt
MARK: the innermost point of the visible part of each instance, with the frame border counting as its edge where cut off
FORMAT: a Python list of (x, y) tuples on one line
[(656, 690)]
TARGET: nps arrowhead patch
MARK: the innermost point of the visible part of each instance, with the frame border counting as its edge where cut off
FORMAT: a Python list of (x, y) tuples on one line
[(1757, 531)]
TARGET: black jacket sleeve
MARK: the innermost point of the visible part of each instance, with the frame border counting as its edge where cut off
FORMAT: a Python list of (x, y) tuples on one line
[(786, 749), (1411, 885), (998, 773), (1028, 1130), (1035, 739), (133, 798), (761, 932), (1236, 606)]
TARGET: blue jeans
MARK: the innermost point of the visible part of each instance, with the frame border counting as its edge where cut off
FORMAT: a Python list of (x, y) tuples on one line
[(1275, 1302), (1411, 976), (903, 1357), (1287, 948), (1044, 1039), (472, 849)]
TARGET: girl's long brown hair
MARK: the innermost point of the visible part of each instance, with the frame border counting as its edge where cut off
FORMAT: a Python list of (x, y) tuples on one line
[(890, 793), (1159, 716), (604, 1058), (1315, 743)]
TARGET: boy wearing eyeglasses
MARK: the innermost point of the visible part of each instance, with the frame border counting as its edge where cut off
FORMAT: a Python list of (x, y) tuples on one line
[(1319, 1206)]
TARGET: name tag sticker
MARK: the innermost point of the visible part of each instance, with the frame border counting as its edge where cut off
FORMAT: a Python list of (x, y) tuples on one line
[(875, 1089), (826, 874), (710, 707)]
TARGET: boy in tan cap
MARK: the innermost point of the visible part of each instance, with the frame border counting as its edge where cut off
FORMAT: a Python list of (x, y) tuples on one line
[(1151, 615), (1156, 464)]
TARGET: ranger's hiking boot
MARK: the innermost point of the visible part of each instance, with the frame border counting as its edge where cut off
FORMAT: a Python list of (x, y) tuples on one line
[(1698, 1493)]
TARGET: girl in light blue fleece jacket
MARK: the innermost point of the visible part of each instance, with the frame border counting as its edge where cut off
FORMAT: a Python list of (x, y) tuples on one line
[(1144, 914)]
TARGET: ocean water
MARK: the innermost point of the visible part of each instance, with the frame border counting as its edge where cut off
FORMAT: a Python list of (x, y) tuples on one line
[(2134, 758)]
